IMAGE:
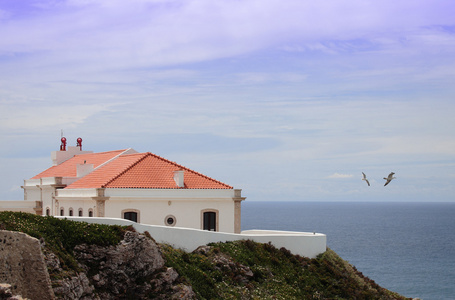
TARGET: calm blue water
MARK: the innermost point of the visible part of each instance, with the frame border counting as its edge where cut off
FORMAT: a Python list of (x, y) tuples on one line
[(408, 248)]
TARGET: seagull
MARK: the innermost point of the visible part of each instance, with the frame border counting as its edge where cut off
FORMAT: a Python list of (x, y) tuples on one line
[(365, 178), (389, 178)]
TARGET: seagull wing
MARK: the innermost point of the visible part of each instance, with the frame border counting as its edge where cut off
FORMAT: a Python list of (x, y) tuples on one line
[(365, 178)]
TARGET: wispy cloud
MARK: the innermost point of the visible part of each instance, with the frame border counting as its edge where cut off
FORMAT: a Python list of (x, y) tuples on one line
[(261, 93), (339, 176)]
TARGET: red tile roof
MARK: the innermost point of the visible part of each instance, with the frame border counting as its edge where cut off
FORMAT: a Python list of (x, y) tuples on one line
[(68, 167), (138, 170)]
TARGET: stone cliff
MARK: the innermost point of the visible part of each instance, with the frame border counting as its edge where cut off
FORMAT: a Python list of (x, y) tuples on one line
[(134, 267), (49, 258)]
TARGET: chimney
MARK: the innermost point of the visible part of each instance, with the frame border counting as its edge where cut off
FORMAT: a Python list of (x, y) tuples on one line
[(178, 178), (66, 152), (84, 169)]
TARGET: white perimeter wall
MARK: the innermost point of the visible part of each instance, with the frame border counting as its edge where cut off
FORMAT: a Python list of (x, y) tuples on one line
[(18, 205), (301, 243)]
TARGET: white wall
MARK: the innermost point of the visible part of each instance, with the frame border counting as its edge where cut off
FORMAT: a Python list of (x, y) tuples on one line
[(18, 205), (154, 205), (301, 243), (187, 212)]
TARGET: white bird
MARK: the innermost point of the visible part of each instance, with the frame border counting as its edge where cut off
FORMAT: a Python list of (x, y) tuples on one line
[(365, 178), (389, 178)]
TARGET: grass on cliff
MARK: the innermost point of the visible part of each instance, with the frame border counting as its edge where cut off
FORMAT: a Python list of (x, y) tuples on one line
[(61, 235), (276, 274), (231, 270)]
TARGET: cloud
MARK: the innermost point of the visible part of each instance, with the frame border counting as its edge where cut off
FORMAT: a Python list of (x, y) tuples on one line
[(340, 176), (45, 117), (250, 90), (153, 33)]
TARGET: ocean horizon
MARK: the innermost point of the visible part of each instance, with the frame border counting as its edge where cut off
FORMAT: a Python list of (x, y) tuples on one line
[(406, 247)]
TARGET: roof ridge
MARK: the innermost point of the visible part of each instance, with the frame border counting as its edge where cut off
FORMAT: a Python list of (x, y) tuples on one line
[(103, 152), (126, 169), (190, 170), (113, 158)]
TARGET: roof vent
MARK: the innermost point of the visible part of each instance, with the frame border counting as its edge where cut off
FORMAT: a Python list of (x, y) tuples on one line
[(79, 143), (178, 178), (63, 144)]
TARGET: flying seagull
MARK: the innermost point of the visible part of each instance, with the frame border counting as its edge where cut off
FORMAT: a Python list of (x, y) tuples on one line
[(365, 178), (389, 178)]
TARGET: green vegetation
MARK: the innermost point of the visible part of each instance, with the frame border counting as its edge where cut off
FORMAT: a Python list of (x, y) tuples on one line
[(61, 235), (232, 270), (276, 274)]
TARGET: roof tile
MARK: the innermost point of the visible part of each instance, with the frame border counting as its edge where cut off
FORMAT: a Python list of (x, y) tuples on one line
[(144, 170), (68, 167)]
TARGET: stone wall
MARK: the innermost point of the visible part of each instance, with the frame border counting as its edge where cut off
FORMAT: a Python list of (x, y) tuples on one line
[(22, 265)]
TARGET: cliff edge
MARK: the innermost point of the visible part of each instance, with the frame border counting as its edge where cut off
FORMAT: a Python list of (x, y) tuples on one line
[(49, 258)]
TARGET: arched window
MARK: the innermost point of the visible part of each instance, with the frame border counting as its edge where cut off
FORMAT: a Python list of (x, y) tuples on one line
[(62, 211), (90, 212), (48, 211), (70, 212), (130, 215), (209, 221), (81, 212)]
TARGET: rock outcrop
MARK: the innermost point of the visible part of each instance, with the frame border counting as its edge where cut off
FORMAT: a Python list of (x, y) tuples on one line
[(23, 266), (135, 268), (7, 294), (226, 264)]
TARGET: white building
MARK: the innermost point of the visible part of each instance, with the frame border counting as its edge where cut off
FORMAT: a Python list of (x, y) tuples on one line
[(141, 187), (176, 205)]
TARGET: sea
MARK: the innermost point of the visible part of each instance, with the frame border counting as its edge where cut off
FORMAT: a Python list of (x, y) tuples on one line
[(406, 247)]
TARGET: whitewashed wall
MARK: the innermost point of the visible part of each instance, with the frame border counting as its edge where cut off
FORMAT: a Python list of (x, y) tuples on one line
[(301, 243), (18, 205), (154, 205)]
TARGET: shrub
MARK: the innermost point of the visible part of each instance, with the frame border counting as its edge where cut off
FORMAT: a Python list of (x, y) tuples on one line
[(62, 235)]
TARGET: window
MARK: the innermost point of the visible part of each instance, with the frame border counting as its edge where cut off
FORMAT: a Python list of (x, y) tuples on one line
[(62, 211), (209, 221), (80, 212), (48, 211), (70, 212), (90, 213), (170, 220), (130, 215)]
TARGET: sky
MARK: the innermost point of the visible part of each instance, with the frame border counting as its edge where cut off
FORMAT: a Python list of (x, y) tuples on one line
[(288, 100)]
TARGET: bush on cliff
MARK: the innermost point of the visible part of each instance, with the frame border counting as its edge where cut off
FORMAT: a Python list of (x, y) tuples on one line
[(61, 235), (232, 270), (249, 270)]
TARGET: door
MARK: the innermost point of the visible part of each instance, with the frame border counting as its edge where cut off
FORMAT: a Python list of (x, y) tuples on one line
[(210, 221)]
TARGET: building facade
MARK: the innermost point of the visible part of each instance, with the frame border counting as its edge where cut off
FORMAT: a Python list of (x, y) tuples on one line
[(141, 187)]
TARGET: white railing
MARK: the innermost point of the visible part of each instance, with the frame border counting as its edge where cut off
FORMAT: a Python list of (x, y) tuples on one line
[(188, 239)]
